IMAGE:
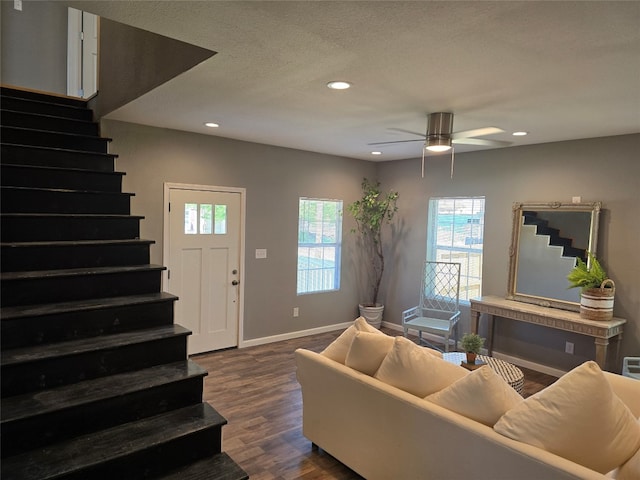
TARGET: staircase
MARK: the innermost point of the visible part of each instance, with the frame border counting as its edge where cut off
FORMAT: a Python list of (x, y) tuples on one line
[(543, 228), (95, 379)]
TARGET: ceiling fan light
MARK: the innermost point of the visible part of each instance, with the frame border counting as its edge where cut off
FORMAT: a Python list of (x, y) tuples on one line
[(438, 148), (438, 143)]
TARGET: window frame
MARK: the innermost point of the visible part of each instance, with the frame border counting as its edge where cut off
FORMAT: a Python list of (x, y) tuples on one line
[(337, 246), (433, 247)]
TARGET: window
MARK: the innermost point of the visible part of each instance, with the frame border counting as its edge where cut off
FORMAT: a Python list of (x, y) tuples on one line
[(319, 244), (215, 215), (455, 234)]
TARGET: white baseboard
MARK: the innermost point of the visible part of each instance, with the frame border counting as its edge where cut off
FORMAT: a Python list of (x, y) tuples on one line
[(288, 336), (521, 362)]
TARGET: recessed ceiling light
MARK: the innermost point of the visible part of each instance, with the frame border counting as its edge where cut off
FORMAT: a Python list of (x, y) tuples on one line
[(339, 85), (376, 153), (519, 134), (211, 125)]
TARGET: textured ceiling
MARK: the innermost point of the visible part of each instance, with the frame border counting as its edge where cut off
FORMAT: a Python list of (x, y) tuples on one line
[(559, 70)]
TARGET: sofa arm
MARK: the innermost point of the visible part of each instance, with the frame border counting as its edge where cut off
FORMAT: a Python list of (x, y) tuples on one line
[(627, 389)]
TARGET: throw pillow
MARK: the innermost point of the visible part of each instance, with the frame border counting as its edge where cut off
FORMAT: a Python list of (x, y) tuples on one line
[(579, 418), (483, 396), (338, 349), (367, 351), (409, 367)]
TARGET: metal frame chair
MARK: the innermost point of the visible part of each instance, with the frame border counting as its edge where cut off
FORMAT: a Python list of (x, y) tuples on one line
[(438, 312)]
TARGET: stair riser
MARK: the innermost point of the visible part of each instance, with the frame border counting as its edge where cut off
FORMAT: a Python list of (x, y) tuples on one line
[(80, 287), (36, 432), (25, 155), (51, 201), (29, 258), (53, 372), (56, 110), (37, 330), (34, 229), (26, 176), (54, 124), (156, 460), (52, 139)]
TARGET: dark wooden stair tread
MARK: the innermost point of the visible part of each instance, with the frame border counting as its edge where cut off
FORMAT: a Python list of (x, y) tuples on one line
[(36, 131), (44, 98), (48, 116), (69, 396), (66, 190), (63, 169), (78, 243), (70, 215), (90, 450), (60, 150), (77, 347), (10, 313), (217, 467), (73, 272)]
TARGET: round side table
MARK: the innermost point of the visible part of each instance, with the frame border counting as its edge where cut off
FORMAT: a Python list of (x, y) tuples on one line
[(510, 373)]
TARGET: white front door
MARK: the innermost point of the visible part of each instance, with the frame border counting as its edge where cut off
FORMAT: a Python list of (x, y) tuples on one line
[(204, 248)]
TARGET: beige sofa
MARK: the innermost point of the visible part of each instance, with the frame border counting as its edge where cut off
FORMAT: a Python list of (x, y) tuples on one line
[(382, 432)]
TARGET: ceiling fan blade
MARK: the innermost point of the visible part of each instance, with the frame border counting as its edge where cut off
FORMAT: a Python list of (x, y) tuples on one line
[(482, 141), (477, 132), (397, 141), (408, 131)]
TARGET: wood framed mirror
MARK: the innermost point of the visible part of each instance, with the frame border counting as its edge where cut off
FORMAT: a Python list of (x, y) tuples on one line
[(546, 239)]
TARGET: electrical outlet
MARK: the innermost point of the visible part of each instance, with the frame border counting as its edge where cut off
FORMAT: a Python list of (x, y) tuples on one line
[(296, 311), (568, 348)]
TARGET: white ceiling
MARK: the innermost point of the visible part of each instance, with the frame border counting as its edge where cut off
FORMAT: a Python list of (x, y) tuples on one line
[(559, 70)]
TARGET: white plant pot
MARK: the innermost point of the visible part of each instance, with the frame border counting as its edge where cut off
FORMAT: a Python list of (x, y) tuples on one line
[(373, 315)]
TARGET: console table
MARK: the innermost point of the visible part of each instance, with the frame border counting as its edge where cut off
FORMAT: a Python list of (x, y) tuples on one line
[(601, 330)]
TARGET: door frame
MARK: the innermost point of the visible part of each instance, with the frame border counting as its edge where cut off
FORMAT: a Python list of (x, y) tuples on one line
[(168, 186)]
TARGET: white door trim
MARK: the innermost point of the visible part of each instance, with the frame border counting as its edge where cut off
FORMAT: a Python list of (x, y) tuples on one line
[(168, 186)]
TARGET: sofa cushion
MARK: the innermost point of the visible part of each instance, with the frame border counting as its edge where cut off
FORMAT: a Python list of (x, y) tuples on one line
[(579, 418), (411, 368), (432, 351), (338, 349), (367, 351), (630, 470), (482, 396)]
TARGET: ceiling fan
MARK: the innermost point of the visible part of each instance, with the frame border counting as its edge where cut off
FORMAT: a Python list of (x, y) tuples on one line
[(440, 136)]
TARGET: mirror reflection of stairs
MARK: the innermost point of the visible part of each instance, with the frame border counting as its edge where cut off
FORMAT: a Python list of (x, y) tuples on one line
[(543, 228), (95, 377)]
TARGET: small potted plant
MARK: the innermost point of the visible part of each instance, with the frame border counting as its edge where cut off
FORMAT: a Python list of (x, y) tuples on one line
[(596, 297), (471, 344)]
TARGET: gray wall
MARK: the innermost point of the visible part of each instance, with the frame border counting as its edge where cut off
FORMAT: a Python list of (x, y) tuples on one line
[(134, 61), (34, 46), (604, 169), (275, 179)]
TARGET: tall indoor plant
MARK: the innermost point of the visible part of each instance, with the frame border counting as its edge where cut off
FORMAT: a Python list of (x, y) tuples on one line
[(372, 212)]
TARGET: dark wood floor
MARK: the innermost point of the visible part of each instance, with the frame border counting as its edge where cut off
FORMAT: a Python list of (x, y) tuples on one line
[(256, 390)]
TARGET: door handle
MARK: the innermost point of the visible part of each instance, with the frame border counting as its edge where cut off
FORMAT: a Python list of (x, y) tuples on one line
[(235, 282)]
